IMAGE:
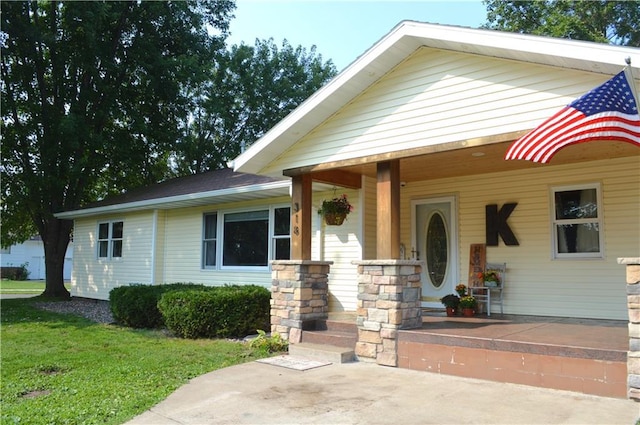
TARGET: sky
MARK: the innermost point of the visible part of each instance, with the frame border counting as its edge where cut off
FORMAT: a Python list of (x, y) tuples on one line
[(342, 30)]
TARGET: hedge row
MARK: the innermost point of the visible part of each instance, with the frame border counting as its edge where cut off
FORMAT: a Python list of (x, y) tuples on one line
[(136, 305), (230, 311), (193, 310)]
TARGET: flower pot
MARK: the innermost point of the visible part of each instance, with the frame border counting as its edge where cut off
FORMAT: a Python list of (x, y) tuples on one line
[(451, 311), (334, 219), (490, 283), (468, 312)]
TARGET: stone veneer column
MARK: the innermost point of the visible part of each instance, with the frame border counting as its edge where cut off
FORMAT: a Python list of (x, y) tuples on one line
[(633, 305), (389, 299), (299, 296)]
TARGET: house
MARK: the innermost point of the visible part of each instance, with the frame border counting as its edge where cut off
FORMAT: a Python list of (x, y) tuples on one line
[(419, 125), (30, 253), (438, 106), (414, 133)]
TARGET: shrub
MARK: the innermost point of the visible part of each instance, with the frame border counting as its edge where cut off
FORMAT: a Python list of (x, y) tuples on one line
[(136, 305), (269, 344), (228, 311), (15, 272)]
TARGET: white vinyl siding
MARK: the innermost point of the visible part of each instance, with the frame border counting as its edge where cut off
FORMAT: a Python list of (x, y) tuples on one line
[(342, 245), (436, 97), (536, 283), (94, 277)]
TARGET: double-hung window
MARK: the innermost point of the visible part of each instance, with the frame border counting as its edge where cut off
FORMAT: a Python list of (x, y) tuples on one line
[(209, 240), (110, 236), (246, 238), (577, 222)]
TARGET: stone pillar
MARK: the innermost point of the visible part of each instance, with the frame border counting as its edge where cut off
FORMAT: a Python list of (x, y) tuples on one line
[(389, 299), (633, 305), (299, 296)]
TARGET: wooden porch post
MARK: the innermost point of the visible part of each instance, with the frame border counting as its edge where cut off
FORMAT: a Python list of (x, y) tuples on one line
[(301, 217), (388, 220)]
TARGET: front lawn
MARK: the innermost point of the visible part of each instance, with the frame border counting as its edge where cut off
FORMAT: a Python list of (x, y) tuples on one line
[(23, 286), (61, 368)]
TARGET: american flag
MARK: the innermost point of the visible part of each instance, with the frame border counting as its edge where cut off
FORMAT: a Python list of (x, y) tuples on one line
[(608, 112)]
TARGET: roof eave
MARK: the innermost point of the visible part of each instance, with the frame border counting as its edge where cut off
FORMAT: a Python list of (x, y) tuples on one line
[(260, 191)]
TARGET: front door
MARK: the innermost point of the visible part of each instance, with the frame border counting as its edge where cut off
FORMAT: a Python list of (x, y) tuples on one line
[(435, 244)]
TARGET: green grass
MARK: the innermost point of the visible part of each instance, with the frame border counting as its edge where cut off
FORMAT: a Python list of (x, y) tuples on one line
[(23, 286), (64, 369)]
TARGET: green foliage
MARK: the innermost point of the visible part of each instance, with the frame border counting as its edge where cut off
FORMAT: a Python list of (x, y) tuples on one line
[(468, 302), (250, 90), (228, 311), (92, 98), (616, 22), (64, 369), (16, 273), (269, 344), (451, 301), (136, 305)]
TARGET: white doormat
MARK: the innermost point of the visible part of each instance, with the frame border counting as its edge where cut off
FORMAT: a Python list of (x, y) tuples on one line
[(296, 363)]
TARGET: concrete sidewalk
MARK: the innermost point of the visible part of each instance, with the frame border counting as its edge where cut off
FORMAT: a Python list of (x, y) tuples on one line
[(364, 393)]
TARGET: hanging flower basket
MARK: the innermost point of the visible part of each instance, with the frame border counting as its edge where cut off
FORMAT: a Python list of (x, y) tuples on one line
[(335, 210), (334, 219)]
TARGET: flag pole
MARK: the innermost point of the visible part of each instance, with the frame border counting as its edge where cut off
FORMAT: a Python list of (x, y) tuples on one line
[(632, 83)]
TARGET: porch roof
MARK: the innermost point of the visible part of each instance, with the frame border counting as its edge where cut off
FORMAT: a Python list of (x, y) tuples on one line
[(401, 42)]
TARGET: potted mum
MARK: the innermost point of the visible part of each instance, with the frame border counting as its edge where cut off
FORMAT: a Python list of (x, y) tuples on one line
[(335, 210), (468, 305), (461, 289), (451, 303)]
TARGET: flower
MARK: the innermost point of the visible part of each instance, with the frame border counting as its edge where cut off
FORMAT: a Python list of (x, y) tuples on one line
[(467, 302), (491, 276), (461, 289), (338, 205)]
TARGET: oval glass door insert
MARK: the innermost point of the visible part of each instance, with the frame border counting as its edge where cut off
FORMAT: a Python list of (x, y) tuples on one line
[(437, 248)]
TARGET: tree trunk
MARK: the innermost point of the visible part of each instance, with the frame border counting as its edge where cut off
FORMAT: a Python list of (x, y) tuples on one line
[(56, 239)]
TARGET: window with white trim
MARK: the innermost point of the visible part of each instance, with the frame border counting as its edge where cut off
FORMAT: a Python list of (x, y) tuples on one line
[(577, 221), (246, 238), (110, 236), (209, 240)]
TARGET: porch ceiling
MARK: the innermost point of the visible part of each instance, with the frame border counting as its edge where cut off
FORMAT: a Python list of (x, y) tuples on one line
[(488, 158)]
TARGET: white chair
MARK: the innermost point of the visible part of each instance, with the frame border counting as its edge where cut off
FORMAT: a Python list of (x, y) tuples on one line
[(483, 293)]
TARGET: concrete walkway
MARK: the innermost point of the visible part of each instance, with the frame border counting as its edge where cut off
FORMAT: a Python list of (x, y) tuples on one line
[(364, 393)]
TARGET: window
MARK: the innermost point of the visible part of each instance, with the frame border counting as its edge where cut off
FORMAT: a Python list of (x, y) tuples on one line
[(5, 250), (281, 234), (246, 238), (209, 240), (110, 239), (577, 222)]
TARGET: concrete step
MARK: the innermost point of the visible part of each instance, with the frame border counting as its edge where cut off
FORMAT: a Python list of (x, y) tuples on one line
[(327, 353), (338, 326), (335, 338)]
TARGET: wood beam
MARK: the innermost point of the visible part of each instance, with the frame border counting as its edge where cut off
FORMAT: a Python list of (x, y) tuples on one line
[(301, 217), (339, 178), (407, 153), (388, 219)]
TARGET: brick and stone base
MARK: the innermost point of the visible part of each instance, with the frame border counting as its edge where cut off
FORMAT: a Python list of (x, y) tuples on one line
[(389, 299), (299, 296), (633, 304)]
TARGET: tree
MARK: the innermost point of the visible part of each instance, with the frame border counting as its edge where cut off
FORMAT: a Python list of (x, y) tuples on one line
[(91, 96), (250, 90), (616, 22)]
